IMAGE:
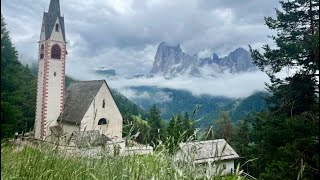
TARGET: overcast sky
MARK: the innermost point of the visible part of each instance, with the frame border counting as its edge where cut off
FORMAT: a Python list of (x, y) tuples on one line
[(124, 34)]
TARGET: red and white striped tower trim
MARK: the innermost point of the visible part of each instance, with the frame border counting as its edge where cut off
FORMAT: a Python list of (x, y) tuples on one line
[(51, 71)]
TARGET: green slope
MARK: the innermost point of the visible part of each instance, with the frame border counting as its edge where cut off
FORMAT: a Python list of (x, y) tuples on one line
[(18, 89)]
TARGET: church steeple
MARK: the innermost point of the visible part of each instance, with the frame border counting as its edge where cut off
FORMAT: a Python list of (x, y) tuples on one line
[(50, 18), (51, 71)]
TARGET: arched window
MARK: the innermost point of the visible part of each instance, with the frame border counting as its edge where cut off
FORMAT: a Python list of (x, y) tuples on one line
[(57, 27), (42, 51), (103, 121), (55, 52), (103, 103)]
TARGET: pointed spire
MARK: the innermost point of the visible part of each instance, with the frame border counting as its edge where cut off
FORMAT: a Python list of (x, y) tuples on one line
[(51, 17), (54, 8)]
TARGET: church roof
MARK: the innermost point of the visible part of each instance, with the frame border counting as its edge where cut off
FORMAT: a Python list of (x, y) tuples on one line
[(50, 17), (79, 96), (206, 151)]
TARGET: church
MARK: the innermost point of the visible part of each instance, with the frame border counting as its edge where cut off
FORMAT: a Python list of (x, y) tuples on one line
[(85, 106)]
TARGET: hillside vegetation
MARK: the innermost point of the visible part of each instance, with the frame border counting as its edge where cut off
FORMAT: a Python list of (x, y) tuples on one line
[(18, 89), (179, 101)]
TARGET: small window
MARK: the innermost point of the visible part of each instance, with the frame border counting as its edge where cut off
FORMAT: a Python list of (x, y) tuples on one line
[(103, 121), (103, 104), (57, 27), (224, 166), (55, 74)]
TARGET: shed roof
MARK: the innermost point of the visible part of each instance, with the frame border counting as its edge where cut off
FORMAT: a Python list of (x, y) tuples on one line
[(79, 96), (211, 150)]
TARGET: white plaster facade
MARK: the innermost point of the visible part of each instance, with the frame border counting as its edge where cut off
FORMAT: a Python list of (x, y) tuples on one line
[(113, 129), (57, 35), (223, 167)]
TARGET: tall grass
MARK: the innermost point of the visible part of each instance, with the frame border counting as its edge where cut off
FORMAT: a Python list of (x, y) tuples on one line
[(42, 163)]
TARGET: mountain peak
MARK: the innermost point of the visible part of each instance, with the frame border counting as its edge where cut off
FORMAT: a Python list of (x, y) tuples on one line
[(163, 44), (239, 60), (166, 45), (215, 58), (170, 60), (240, 50)]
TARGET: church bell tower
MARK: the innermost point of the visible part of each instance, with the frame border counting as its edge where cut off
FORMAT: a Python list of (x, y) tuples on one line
[(51, 71)]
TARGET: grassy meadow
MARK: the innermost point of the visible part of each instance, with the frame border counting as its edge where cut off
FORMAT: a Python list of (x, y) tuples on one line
[(45, 163)]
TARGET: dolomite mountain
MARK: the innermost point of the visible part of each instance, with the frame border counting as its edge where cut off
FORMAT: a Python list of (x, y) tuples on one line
[(170, 61)]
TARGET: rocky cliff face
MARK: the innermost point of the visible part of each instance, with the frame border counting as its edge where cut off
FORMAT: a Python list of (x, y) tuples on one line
[(171, 61), (237, 61)]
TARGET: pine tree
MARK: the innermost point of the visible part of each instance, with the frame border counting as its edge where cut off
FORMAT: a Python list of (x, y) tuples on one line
[(286, 139), (156, 131), (172, 134), (189, 127), (223, 127), (186, 126), (297, 39), (179, 128), (241, 137), (18, 89), (171, 127)]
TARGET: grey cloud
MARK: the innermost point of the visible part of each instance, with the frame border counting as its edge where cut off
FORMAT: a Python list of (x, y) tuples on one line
[(229, 85), (157, 97), (244, 9), (117, 33)]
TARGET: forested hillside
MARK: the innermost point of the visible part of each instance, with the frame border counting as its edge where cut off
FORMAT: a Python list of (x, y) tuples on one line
[(254, 103), (18, 89), (173, 101)]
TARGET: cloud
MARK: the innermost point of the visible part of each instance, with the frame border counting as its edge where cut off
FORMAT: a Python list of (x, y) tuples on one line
[(226, 84), (125, 61), (229, 85), (206, 53), (120, 34), (154, 97)]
